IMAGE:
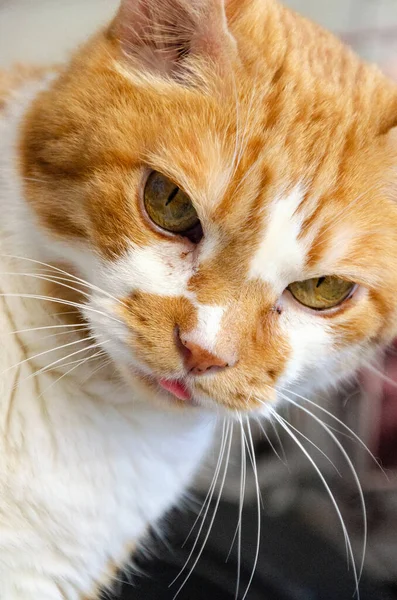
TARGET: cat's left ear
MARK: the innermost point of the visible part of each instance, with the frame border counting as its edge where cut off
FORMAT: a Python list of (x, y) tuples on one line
[(160, 36)]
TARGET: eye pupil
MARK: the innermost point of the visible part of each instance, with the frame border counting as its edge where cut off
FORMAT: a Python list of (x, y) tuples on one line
[(320, 281), (172, 196)]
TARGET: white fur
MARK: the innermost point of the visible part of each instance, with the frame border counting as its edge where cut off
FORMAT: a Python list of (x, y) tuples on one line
[(209, 322), (309, 336), (86, 465), (281, 255), (169, 275)]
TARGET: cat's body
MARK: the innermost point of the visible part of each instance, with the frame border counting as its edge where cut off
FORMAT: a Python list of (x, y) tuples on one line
[(87, 462)]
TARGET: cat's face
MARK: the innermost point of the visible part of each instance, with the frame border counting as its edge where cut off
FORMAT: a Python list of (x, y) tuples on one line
[(229, 184)]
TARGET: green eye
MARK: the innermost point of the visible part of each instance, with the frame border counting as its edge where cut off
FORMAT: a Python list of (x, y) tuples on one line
[(322, 292), (168, 206)]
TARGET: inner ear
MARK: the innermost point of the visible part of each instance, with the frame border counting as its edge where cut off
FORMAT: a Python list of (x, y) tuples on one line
[(162, 34)]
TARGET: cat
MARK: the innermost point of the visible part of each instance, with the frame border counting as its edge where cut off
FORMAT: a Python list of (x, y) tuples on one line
[(197, 218)]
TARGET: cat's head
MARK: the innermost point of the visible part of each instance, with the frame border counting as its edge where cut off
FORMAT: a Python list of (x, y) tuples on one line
[(225, 176)]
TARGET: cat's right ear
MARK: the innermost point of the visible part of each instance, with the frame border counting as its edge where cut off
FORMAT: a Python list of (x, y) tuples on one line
[(162, 36)]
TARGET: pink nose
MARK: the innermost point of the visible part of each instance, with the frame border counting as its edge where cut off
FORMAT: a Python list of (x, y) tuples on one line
[(197, 360)]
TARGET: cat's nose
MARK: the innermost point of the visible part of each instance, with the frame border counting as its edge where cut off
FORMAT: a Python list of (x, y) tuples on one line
[(198, 360)]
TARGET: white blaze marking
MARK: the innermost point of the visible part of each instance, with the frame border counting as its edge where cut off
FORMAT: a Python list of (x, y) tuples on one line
[(281, 256), (209, 319)]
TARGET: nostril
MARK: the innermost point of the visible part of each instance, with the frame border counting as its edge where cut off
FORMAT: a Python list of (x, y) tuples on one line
[(197, 360)]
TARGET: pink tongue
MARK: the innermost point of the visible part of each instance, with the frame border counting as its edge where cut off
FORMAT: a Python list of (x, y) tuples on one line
[(176, 388)]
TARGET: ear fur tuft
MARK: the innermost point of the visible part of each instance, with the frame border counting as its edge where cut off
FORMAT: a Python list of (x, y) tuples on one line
[(161, 35)]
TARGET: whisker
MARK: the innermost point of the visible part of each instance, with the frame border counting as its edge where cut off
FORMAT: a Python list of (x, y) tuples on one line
[(340, 422), (80, 362), (355, 476), (381, 375), (279, 442), (209, 496), (58, 334), (252, 459), (244, 137), (64, 302), (258, 540), (309, 441), (25, 360), (210, 489), (242, 468), (237, 138), (50, 367), (18, 331), (284, 424), (46, 278), (241, 505), (67, 273), (270, 442), (229, 444), (101, 366), (34, 179)]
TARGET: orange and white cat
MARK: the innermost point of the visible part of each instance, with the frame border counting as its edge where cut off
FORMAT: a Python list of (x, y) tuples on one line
[(198, 213)]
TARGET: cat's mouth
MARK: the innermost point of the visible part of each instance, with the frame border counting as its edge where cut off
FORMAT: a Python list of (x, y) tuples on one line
[(176, 388)]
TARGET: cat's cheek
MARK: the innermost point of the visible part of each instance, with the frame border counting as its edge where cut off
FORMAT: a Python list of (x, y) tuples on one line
[(310, 339), (111, 334)]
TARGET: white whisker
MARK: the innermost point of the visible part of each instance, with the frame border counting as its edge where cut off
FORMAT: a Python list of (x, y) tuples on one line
[(47, 278), (62, 271), (238, 531), (351, 432), (355, 476), (309, 441), (19, 331), (25, 360), (381, 375), (271, 443), (80, 362), (241, 504), (258, 498), (60, 360), (285, 426), (229, 444), (101, 366), (211, 487), (64, 302)]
